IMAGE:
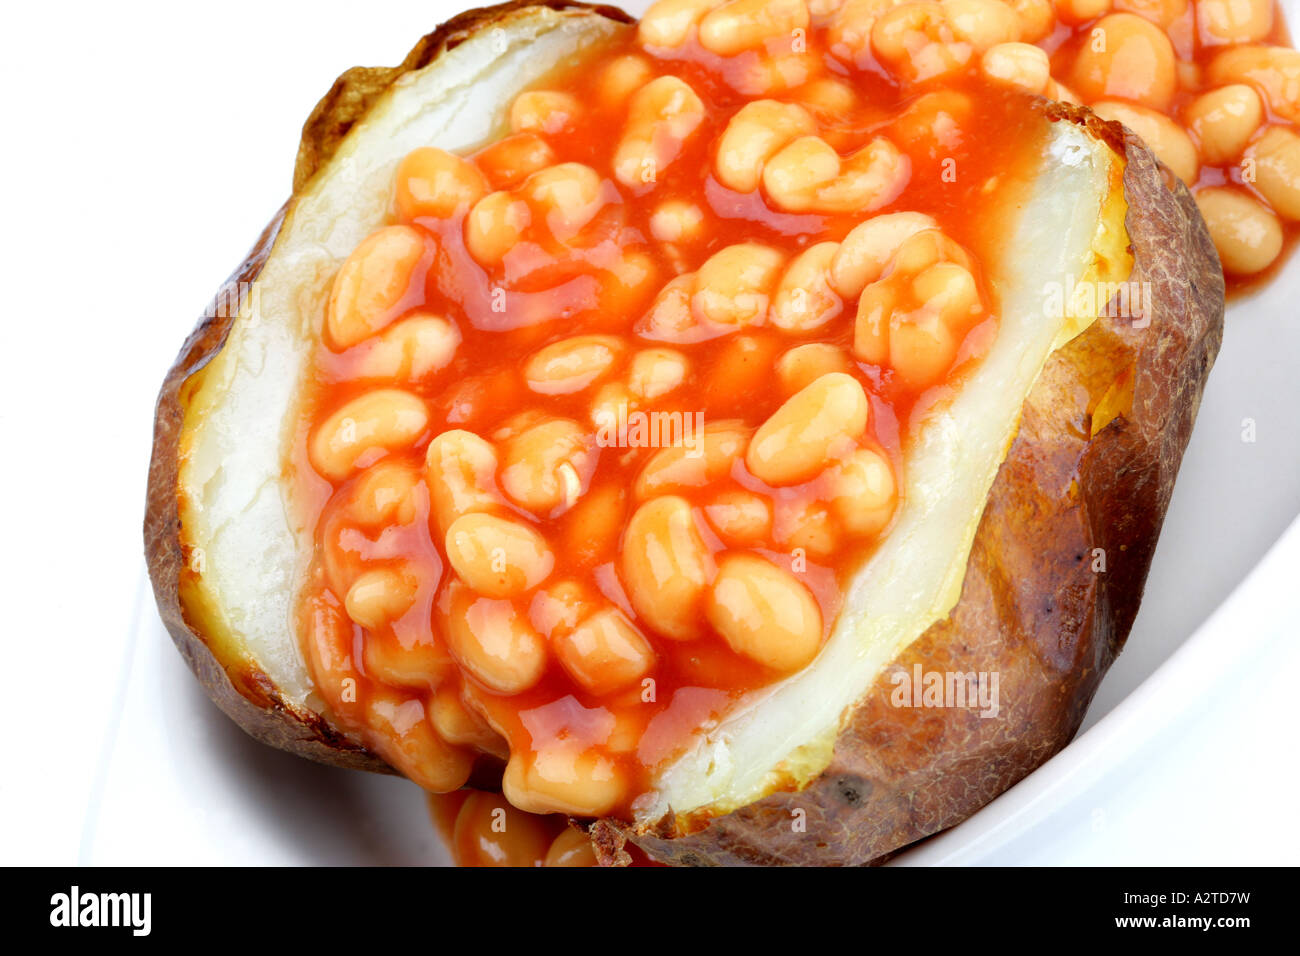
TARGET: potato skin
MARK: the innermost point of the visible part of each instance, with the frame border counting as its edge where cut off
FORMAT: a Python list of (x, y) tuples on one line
[(1031, 607), (231, 678)]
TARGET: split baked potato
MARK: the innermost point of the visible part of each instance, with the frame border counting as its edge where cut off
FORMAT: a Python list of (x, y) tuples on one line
[(1031, 498)]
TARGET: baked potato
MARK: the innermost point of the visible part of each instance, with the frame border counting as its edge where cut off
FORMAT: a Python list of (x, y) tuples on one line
[(1033, 469)]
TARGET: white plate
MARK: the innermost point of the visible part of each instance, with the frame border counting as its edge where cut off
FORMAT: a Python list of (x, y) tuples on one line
[(1182, 768)]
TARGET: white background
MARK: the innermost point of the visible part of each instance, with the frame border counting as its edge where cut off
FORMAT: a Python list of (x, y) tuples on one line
[(145, 147)]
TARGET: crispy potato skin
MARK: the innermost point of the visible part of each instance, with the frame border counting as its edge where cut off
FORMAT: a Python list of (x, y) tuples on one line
[(234, 681), (1031, 607)]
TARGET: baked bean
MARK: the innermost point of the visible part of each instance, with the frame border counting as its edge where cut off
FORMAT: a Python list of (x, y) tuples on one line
[(438, 184), (512, 159), (805, 433), (720, 446), (381, 595), (547, 467), (543, 111), (804, 364), (982, 23), (328, 650), (386, 419), (629, 283), (610, 398), (412, 349), (670, 318), (923, 249), (1126, 58), (917, 42), (1247, 235), (738, 25), (558, 608), (661, 116), (831, 98), (1021, 65), (459, 725), (629, 727), (668, 23), (935, 123), (384, 495), (573, 364), (948, 290), (460, 472), (622, 77), (773, 73), (808, 175), (492, 641), (862, 492), (848, 36), (677, 221), (1273, 70), (741, 518), (754, 135), (571, 848), (871, 327), (1233, 21), (497, 557), (491, 832), (665, 567), (733, 285), (919, 345), (405, 738), (653, 373), (764, 613), (494, 226), (413, 658), (568, 196), (867, 249), (561, 778), (1163, 136), (1277, 170), (804, 300), (1222, 122), (605, 652), (372, 283), (807, 526), (1037, 18), (922, 348)]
